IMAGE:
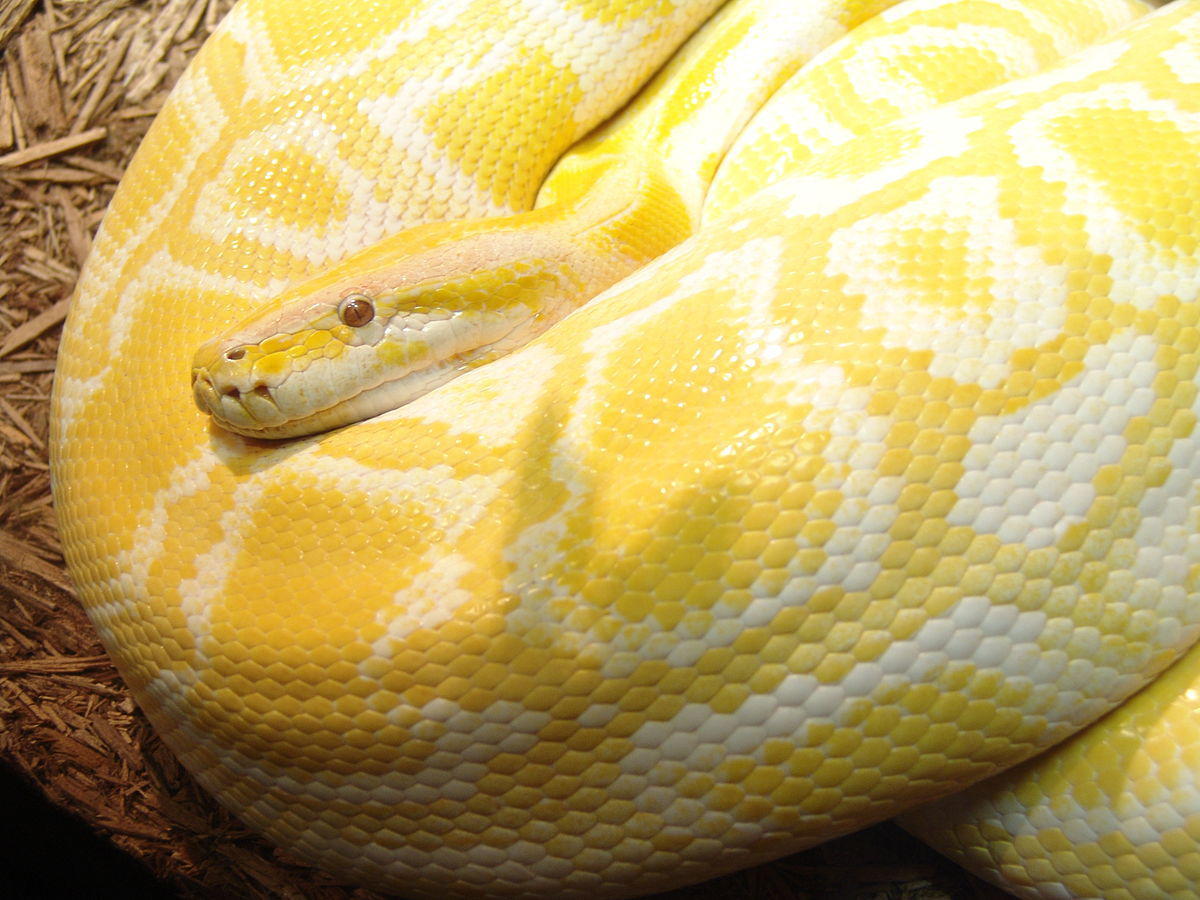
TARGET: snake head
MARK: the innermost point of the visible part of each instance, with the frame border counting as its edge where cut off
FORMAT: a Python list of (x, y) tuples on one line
[(319, 359), (295, 368)]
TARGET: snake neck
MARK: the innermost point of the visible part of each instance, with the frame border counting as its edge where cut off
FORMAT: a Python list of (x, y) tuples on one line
[(443, 299)]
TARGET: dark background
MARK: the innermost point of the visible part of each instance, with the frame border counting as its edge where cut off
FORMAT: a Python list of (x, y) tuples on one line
[(45, 853)]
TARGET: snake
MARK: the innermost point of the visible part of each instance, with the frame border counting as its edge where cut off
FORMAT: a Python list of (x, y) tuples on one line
[(628, 440)]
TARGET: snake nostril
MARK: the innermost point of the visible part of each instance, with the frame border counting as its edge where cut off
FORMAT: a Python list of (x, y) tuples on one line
[(230, 392), (235, 353), (262, 390)]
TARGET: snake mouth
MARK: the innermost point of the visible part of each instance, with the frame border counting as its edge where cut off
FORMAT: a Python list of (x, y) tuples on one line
[(244, 411)]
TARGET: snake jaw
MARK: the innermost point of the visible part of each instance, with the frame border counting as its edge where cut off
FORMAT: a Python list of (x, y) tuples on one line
[(236, 410)]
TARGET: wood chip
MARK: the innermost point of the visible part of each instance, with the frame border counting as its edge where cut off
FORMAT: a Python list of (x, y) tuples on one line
[(12, 14), (14, 435), (128, 827), (80, 751), (117, 741), (51, 263), (103, 80), (7, 113), (111, 172), (188, 27), (36, 68), (21, 555), (26, 366), (52, 148), (19, 421), (27, 331), (57, 175), (77, 235), (56, 664)]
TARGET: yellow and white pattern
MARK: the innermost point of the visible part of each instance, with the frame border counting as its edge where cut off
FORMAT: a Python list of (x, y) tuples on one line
[(881, 482), (1114, 812)]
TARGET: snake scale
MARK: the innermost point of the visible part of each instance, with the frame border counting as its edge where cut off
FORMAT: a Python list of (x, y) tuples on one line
[(870, 472)]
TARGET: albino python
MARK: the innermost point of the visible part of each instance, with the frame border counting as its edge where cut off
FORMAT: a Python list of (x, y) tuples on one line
[(882, 480)]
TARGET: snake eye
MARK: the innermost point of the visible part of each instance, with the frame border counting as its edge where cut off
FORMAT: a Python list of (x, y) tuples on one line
[(356, 310)]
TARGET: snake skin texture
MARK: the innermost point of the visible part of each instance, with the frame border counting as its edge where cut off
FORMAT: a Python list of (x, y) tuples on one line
[(882, 482), (1114, 812)]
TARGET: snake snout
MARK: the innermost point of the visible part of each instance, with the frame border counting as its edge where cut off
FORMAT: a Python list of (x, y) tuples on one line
[(225, 387), (209, 393)]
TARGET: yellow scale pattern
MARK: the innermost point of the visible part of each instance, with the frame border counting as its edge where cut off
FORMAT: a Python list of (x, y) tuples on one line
[(1112, 813), (880, 483)]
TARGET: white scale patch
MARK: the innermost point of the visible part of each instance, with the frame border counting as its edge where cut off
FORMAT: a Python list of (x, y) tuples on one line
[(873, 69), (1184, 58), (135, 564), (266, 77), (1113, 14), (429, 601), (801, 119), (168, 275), (160, 274), (494, 403), (591, 45), (399, 117), (1167, 538), (940, 134), (454, 505), (1014, 299), (711, 271), (1078, 67), (1029, 476), (1067, 690), (327, 243), (1141, 272), (198, 594), (214, 566)]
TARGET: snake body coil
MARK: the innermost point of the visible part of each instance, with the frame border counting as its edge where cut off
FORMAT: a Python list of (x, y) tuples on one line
[(881, 481)]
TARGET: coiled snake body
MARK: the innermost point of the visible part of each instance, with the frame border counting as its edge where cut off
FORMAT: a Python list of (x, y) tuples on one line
[(880, 482)]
